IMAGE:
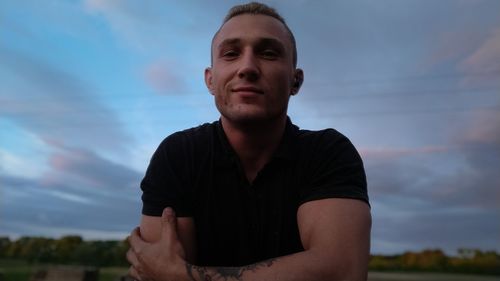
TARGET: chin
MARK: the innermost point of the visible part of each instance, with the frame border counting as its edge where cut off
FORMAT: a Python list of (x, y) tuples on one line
[(252, 118), (248, 114)]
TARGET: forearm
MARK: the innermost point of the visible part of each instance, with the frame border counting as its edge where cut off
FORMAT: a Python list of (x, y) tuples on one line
[(302, 266)]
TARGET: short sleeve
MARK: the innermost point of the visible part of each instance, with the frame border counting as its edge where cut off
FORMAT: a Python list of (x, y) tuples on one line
[(165, 183), (335, 170)]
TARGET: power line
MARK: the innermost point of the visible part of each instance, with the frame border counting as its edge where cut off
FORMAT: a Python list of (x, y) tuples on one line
[(492, 72), (407, 94), (158, 106), (114, 96), (78, 124)]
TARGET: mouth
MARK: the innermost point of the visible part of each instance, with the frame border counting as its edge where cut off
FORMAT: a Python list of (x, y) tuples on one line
[(247, 89)]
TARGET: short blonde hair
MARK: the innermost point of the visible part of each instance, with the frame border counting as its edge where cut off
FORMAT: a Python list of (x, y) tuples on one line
[(256, 8)]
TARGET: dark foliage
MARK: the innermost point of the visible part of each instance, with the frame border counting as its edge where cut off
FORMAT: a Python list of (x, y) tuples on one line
[(66, 250), (467, 261)]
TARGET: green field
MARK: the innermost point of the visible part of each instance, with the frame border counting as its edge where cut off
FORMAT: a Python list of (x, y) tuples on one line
[(393, 276), (21, 271), (24, 274), (112, 274)]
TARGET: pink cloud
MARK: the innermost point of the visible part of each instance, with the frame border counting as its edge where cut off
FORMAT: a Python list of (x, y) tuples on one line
[(483, 64), (485, 58), (452, 45), (107, 7), (483, 128), (59, 162), (160, 77), (389, 152)]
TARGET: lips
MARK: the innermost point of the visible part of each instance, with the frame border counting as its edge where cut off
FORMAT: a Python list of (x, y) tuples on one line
[(247, 89)]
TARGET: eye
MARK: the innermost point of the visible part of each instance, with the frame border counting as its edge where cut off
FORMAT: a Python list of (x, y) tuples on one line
[(269, 54), (230, 54)]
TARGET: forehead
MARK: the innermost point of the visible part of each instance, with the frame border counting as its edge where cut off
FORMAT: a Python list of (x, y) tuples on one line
[(249, 27)]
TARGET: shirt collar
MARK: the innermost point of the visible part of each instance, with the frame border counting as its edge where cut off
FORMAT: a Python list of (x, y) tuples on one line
[(286, 150)]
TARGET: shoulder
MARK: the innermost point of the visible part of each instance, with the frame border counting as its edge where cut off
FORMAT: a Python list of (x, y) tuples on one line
[(325, 135), (186, 145), (331, 166), (190, 137), (325, 142)]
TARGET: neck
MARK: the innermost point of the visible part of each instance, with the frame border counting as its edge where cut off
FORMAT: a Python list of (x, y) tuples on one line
[(254, 143)]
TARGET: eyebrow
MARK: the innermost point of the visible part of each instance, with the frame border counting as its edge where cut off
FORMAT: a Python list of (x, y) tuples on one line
[(229, 41)]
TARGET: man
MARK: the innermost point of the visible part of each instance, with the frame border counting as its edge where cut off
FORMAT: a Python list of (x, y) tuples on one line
[(252, 197)]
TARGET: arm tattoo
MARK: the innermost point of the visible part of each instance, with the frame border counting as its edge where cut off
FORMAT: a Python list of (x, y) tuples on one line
[(223, 273)]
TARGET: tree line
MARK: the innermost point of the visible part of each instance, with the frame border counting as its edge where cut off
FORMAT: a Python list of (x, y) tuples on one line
[(434, 260), (74, 250), (66, 250)]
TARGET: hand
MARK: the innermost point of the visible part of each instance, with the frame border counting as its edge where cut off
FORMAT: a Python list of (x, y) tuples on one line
[(163, 260)]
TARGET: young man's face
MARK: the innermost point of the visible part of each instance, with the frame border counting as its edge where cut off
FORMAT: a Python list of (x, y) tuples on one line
[(253, 74)]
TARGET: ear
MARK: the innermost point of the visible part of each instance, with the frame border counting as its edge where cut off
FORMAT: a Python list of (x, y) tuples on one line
[(298, 79), (208, 80)]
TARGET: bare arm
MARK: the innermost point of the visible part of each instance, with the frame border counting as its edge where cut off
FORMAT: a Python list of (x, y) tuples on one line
[(150, 230), (335, 234)]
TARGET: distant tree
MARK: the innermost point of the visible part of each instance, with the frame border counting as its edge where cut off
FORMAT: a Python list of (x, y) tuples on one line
[(119, 252), (409, 260), (383, 263), (4, 246), (74, 250), (432, 260), (486, 260), (86, 254), (16, 248), (65, 248), (32, 249)]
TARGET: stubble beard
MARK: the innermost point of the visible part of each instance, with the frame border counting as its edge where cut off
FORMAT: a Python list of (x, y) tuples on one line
[(251, 120)]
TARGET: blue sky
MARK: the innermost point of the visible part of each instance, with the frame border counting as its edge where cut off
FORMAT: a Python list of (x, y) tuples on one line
[(88, 89)]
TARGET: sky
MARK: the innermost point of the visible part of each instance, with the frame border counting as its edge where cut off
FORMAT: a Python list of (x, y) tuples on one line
[(88, 89)]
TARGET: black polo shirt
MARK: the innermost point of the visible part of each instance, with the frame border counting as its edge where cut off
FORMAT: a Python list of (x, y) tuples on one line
[(198, 173)]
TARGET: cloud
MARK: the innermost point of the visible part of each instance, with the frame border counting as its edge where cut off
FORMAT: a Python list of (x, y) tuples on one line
[(64, 17), (428, 228), (444, 197), (416, 205), (17, 165), (83, 193), (482, 65), (480, 140), (481, 128), (87, 168), (168, 27), (461, 177), (163, 78), (55, 104), (486, 58), (384, 153), (453, 45), (129, 9)]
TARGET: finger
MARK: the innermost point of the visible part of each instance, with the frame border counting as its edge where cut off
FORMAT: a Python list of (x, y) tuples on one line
[(132, 258), (169, 224), (132, 272), (135, 239)]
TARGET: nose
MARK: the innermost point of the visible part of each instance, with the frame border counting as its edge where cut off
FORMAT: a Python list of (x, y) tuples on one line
[(249, 68)]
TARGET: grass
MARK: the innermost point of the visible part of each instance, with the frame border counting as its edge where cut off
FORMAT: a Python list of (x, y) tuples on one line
[(111, 273), (15, 270), (21, 271), (398, 276)]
